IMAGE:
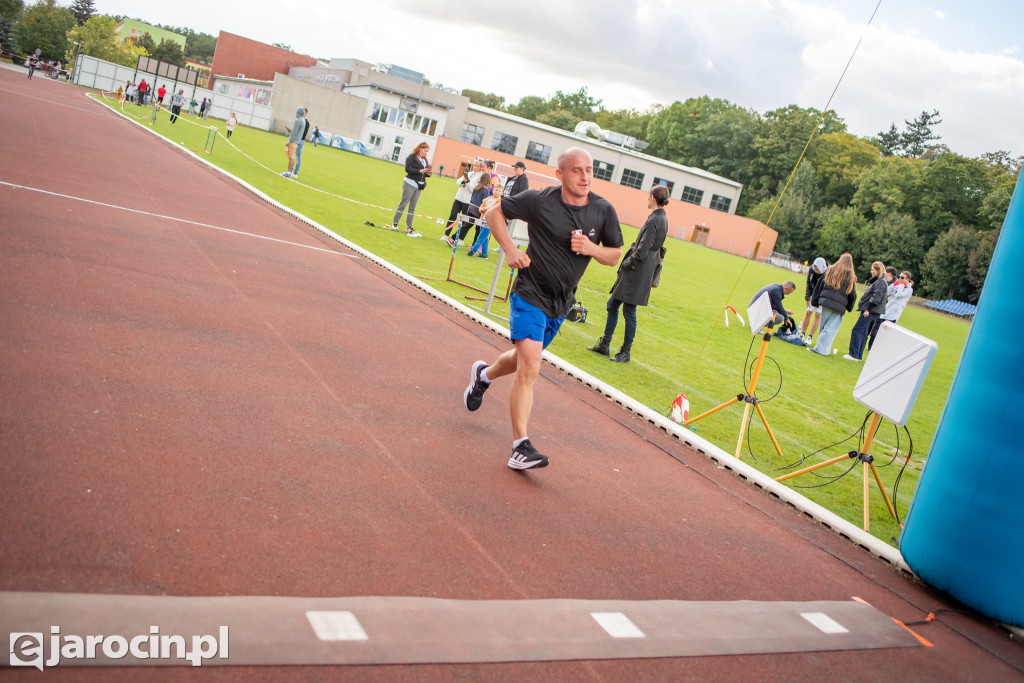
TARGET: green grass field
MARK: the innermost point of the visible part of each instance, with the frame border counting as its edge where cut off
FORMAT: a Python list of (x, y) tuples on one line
[(682, 343)]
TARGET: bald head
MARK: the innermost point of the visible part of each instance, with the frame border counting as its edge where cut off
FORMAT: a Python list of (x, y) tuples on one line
[(567, 155)]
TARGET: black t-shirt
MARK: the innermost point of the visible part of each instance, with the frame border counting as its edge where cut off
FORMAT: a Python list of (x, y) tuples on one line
[(555, 269), (305, 130)]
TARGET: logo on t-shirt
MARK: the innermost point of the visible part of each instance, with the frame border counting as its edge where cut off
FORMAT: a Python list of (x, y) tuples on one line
[(592, 234)]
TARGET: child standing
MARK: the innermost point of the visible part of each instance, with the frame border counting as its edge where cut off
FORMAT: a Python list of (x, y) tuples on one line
[(230, 125), (483, 240)]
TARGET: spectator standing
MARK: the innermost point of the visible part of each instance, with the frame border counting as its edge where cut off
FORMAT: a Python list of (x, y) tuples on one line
[(295, 133), (518, 182), (632, 286), (815, 273), (466, 182), (871, 308), (481, 192), (177, 102), (902, 289), (160, 92), (569, 225), (202, 109), (836, 293), (482, 242), (417, 170), (302, 143), (192, 106), (231, 123), (143, 92)]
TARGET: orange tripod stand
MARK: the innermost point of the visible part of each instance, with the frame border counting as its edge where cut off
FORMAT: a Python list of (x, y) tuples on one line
[(868, 462), (749, 399)]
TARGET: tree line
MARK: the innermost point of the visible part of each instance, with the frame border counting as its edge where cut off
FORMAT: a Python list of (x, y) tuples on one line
[(900, 197), (54, 29)]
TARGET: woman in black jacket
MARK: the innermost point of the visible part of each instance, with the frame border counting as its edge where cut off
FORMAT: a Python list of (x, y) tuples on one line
[(836, 293), (417, 170), (632, 286), (871, 307)]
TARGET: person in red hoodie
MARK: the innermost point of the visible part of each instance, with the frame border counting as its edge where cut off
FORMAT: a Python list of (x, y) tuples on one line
[(143, 92), (160, 92)]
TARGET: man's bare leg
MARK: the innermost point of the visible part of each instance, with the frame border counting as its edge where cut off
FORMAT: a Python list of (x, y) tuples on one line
[(528, 354)]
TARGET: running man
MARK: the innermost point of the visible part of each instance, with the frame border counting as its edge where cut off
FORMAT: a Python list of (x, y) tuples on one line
[(569, 225)]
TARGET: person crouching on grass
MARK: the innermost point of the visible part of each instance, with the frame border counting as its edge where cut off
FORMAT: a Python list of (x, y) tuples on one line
[(569, 225)]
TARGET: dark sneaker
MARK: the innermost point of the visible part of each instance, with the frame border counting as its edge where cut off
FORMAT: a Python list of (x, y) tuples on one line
[(526, 457), (474, 394)]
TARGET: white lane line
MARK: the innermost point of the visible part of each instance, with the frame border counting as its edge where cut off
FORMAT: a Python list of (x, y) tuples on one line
[(173, 218), (617, 625), (824, 622), (336, 625)]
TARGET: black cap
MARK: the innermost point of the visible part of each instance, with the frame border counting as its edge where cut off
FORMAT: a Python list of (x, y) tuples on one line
[(519, 164)]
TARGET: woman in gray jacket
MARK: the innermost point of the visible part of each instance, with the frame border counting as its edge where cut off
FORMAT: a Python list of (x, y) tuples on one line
[(632, 286)]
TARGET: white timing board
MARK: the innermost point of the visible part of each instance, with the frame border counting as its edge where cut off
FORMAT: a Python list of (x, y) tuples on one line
[(760, 313), (894, 372)]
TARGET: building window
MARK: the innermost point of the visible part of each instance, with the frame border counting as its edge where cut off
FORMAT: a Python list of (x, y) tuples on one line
[(603, 170), (376, 142), (472, 134), (404, 119), (504, 143), (661, 181), (631, 178), (538, 152), (720, 203), (692, 195)]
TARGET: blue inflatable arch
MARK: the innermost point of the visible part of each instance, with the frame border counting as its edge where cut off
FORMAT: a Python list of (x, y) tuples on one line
[(964, 531)]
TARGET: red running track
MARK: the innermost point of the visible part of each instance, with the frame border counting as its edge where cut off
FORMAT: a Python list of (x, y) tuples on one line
[(188, 411)]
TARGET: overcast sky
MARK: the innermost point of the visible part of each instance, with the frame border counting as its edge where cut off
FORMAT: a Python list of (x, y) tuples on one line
[(962, 58)]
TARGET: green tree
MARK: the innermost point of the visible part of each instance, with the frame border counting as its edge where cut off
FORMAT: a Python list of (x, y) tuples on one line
[(580, 104), (10, 12), (530, 107), (842, 231), (892, 239), (482, 99), (779, 139), (44, 26), (913, 142), (796, 215), (979, 260), (559, 118), (711, 134), (169, 51), (200, 46), (83, 10), (952, 191), (946, 265), (839, 159), (98, 40), (889, 186), (144, 41), (627, 121)]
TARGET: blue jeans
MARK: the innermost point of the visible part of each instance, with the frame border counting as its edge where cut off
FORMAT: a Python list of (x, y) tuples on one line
[(859, 336), (482, 242), (830, 322), (628, 313), (298, 158)]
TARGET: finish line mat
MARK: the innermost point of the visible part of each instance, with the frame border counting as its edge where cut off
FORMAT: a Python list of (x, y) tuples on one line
[(131, 630)]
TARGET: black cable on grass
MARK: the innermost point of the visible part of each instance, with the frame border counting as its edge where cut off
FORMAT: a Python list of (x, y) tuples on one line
[(802, 461), (896, 484)]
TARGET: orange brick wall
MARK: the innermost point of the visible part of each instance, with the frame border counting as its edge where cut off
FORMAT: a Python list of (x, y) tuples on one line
[(730, 233), (237, 55)]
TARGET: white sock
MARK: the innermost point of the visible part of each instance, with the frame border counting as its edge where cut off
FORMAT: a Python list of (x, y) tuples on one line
[(483, 376), (518, 442)]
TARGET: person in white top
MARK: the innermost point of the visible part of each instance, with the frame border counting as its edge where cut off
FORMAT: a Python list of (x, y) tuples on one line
[(901, 290)]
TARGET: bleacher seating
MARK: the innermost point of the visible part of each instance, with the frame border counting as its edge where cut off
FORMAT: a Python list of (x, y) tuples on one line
[(954, 307)]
